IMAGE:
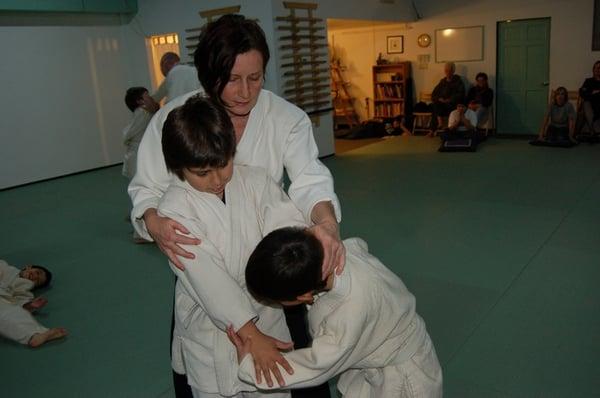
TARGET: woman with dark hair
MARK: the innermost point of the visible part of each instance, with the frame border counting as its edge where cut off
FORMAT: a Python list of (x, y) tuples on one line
[(482, 96), (271, 133), (590, 92)]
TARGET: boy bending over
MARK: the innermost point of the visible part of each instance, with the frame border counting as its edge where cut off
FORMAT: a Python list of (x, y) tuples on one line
[(17, 303), (363, 322)]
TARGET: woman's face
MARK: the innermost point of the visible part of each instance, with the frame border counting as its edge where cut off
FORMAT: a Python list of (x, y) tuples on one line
[(561, 98), (241, 92)]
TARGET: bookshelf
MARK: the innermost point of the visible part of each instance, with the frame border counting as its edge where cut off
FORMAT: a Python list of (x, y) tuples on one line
[(389, 89)]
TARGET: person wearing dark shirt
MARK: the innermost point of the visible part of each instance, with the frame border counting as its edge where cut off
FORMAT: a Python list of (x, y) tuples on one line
[(447, 94), (482, 96), (590, 93)]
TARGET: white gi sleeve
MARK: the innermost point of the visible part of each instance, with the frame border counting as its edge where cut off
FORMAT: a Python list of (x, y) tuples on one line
[(135, 130), (328, 356), (217, 292), (277, 209), (311, 181), (151, 178)]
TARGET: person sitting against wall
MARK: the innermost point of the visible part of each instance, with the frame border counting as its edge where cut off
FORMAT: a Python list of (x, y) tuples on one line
[(590, 93), (462, 123), (482, 95), (558, 127), (446, 95)]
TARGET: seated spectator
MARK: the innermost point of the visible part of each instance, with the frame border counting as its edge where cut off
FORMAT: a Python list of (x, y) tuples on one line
[(482, 95), (590, 92), (462, 123), (558, 127), (397, 127), (447, 94), (17, 303)]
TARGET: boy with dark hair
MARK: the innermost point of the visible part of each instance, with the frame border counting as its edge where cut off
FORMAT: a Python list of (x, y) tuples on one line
[(135, 99), (229, 208), (363, 322), (17, 303)]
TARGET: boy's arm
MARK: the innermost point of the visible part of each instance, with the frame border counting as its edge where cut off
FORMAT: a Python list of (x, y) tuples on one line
[(207, 277), (328, 356)]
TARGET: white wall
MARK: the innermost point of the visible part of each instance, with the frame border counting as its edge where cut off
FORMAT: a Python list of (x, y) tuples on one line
[(63, 85), (571, 58), (64, 79), (61, 100), (154, 18)]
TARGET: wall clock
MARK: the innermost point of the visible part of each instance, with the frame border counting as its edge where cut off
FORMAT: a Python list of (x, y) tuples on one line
[(424, 40)]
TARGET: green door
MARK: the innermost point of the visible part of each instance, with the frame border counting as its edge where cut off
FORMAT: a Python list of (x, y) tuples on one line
[(522, 75)]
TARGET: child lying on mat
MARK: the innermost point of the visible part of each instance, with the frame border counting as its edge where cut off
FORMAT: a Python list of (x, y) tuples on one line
[(17, 303), (363, 322)]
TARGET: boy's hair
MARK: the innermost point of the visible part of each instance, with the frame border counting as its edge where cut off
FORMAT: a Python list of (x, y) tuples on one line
[(220, 42), (48, 275), (481, 74), (133, 95), (285, 264), (197, 134)]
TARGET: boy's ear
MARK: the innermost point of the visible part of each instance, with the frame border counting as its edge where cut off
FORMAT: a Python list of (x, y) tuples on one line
[(306, 298)]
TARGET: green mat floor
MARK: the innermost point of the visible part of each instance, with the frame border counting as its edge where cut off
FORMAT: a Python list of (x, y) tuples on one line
[(501, 248)]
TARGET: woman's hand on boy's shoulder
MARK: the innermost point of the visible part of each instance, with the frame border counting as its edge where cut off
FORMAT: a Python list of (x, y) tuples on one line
[(168, 235)]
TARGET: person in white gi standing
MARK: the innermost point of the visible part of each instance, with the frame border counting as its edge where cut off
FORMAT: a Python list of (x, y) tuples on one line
[(135, 99), (271, 133), (179, 78)]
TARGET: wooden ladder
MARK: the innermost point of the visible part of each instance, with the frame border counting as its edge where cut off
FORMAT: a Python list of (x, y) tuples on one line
[(343, 102)]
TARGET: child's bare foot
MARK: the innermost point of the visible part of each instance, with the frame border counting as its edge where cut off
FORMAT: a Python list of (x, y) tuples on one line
[(51, 334)]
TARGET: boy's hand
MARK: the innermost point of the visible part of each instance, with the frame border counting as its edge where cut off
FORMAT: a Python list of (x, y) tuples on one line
[(168, 235), (334, 252), (265, 351), (242, 348), (35, 304)]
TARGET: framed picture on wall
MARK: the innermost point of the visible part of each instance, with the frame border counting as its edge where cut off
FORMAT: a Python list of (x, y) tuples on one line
[(395, 44)]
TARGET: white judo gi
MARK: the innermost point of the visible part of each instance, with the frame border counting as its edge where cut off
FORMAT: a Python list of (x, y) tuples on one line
[(365, 328), (180, 80), (278, 135), (132, 136), (211, 293), (16, 323)]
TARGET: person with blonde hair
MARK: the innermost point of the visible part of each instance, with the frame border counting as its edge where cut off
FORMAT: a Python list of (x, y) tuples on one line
[(558, 126)]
